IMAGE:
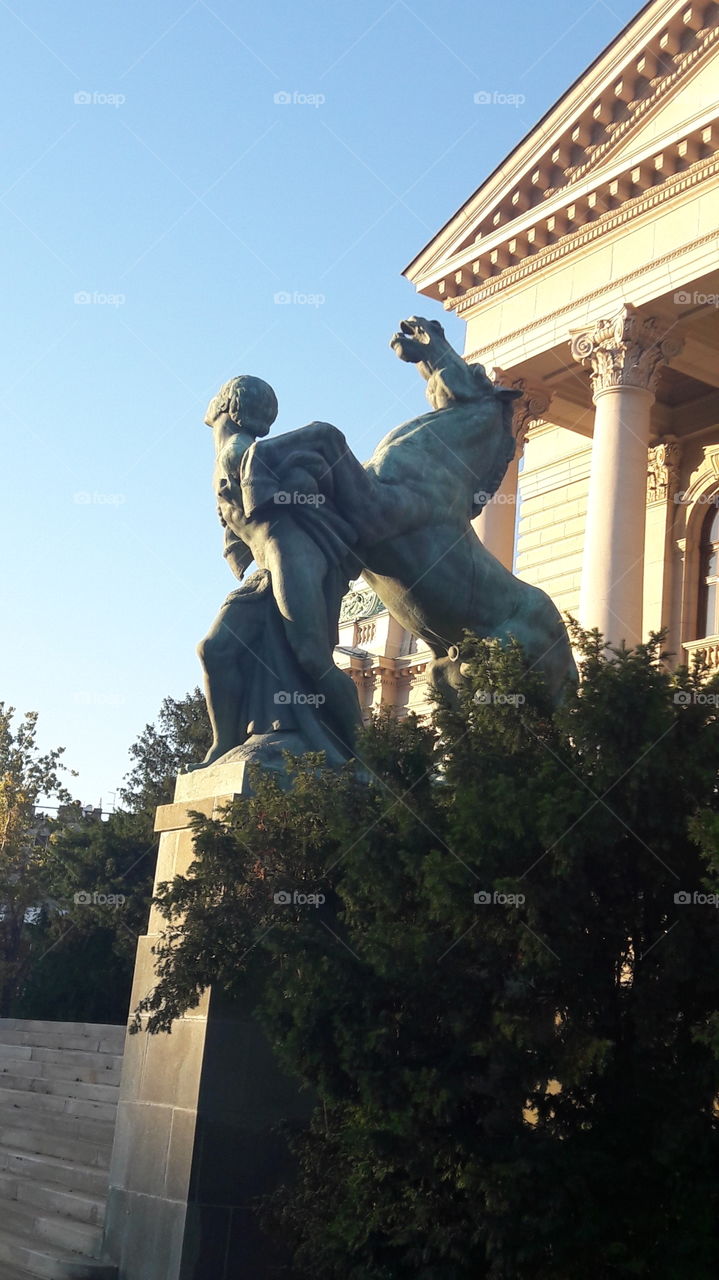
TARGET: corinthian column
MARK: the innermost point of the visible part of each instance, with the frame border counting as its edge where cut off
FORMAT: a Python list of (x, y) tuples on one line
[(624, 355), (496, 525)]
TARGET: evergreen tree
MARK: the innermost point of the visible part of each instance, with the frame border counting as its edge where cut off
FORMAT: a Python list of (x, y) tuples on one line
[(497, 967)]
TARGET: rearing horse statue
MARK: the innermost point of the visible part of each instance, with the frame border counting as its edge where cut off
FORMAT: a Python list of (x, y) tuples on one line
[(438, 579)]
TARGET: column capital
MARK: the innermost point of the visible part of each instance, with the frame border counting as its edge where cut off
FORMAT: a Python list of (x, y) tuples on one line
[(625, 350), (531, 406)]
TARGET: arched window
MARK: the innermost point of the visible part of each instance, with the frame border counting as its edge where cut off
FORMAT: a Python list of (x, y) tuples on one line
[(708, 620)]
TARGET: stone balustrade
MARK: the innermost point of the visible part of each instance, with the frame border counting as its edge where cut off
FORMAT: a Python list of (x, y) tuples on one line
[(708, 651)]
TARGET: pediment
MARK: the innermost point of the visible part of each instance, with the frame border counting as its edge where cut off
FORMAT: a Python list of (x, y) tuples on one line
[(658, 81)]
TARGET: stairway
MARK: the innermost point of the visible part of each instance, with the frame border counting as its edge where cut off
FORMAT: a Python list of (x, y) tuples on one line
[(59, 1085)]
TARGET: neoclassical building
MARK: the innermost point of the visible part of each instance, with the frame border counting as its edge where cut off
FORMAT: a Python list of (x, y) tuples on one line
[(586, 268)]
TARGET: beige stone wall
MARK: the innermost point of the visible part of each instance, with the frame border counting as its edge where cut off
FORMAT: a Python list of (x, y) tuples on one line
[(387, 664), (553, 486)]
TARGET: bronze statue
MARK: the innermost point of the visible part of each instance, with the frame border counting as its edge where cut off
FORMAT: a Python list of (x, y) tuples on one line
[(311, 515), (267, 658)]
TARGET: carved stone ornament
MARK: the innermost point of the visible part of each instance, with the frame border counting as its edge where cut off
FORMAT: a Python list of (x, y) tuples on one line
[(360, 602), (531, 406), (626, 350), (663, 471)]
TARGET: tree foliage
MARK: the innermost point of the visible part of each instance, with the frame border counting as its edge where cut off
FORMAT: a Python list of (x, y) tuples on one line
[(92, 881), (27, 775), (506, 1004), (99, 882), (181, 736)]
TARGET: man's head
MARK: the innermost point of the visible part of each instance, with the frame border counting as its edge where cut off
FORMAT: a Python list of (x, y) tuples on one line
[(249, 402)]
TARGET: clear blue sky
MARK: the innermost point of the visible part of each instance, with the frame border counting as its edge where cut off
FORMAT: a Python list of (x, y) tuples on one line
[(180, 199)]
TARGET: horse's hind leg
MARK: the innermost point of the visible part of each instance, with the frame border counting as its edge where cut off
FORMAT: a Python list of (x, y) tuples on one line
[(537, 625), (445, 674)]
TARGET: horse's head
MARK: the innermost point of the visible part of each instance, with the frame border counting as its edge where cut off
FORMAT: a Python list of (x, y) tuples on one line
[(449, 378), (420, 341)]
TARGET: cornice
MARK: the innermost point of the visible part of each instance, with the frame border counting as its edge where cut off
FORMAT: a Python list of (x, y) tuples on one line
[(616, 285), (672, 187), (675, 185)]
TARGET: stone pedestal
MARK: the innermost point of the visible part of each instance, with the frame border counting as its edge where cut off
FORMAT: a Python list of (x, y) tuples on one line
[(195, 1140)]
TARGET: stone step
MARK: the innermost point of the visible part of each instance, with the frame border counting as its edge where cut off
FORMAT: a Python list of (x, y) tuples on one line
[(17, 1137), (73, 1057), (72, 1028), (59, 1088), (64, 1088), (98, 1132), (67, 1175), (59, 1068), (78, 1205), (33, 1259), (62, 1035), (56, 1104), (44, 1226)]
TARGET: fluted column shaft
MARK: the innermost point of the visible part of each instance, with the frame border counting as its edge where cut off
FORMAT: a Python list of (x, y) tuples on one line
[(625, 354), (496, 526)]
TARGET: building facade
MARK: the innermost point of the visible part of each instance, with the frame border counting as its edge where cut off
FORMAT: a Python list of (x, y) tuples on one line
[(587, 271)]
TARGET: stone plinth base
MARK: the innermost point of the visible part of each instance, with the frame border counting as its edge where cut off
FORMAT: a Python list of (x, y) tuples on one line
[(195, 1140)]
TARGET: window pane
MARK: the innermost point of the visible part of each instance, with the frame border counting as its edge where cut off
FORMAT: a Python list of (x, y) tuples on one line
[(710, 564), (713, 535), (710, 618)]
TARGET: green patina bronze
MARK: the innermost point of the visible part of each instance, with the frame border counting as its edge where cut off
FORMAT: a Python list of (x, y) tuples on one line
[(311, 516)]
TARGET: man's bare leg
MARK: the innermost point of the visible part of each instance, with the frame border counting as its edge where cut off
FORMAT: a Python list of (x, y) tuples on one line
[(232, 638)]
